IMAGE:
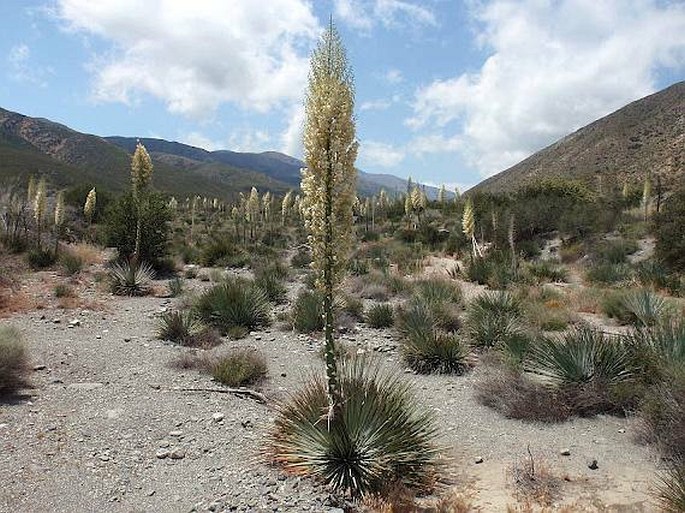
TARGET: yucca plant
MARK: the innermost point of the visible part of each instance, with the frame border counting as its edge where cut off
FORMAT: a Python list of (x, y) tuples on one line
[(380, 316), (307, 313), (424, 346), (494, 318), (647, 307), (437, 290), (176, 286), (580, 357), (234, 307), (670, 491), (270, 280), (131, 278), (179, 327), (381, 436)]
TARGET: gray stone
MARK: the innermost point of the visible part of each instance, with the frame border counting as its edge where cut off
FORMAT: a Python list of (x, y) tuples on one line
[(565, 452), (177, 453), (162, 453), (218, 417)]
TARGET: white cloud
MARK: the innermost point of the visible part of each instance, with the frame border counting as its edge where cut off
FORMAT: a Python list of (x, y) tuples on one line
[(291, 137), (365, 14), (434, 143), (196, 55), (380, 104), (249, 140), (373, 153), (553, 67), (394, 76), (21, 69), (201, 141)]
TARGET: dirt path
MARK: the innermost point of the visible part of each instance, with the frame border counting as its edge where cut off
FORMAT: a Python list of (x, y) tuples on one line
[(105, 428)]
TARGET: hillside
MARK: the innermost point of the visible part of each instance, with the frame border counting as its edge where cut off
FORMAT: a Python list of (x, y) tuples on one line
[(645, 135)]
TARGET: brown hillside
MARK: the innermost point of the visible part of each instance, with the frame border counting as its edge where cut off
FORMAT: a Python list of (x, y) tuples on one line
[(647, 135)]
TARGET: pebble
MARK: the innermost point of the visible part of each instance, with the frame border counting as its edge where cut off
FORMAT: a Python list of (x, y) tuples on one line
[(565, 452), (175, 433), (593, 465), (218, 417), (56, 320), (73, 323), (479, 460), (178, 453), (162, 453), (39, 367)]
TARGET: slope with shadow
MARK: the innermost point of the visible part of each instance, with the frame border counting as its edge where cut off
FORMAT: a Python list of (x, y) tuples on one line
[(645, 136)]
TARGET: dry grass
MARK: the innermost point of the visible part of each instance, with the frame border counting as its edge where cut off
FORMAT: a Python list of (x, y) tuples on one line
[(14, 361), (399, 499), (534, 481), (87, 253)]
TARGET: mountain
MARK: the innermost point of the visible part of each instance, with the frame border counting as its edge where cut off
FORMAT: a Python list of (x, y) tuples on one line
[(647, 135)]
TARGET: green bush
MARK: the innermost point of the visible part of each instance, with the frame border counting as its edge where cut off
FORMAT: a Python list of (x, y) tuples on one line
[(129, 279), (186, 329), (121, 222), (176, 286), (381, 436), (647, 307), (547, 271), (39, 259), (270, 281), (64, 290), (240, 368), (307, 313), (493, 318), (14, 361), (607, 273), (650, 273), (669, 230), (234, 307), (438, 290), (380, 316), (223, 253)]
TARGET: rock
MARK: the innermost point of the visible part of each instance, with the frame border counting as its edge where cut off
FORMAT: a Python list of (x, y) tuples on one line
[(593, 465), (565, 452), (479, 460), (98, 337), (85, 386), (73, 323), (164, 443), (621, 430), (246, 423), (177, 453), (176, 434), (162, 453), (39, 367), (56, 320), (218, 417)]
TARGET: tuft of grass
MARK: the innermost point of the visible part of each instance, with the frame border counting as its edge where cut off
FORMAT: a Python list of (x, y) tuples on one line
[(380, 436), (176, 286), (39, 259), (129, 279), (14, 361), (234, 307), (494, 318), (186, 329), (223, 253), (380, 316), (534, 481), (271, 279), (71, 263), (64, 290), (239, 368), (545, 271), (647, 307), (424, 346), (608, 273), (438, 290)]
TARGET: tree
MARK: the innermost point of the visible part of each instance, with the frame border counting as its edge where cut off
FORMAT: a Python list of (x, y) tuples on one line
[(329, 180)]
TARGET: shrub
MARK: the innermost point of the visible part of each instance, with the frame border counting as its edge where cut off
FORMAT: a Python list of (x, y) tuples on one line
[(379, 437), (647, 307), (71, 263), (353, 307), (380, 316), (671, 488), (64, 290), (184, 328), (662, 412), (302, 258), (650, 273), (493, 319), (614, 307), (271, 282), (670, 231), (607, 273), (14, 360), (176, 287), (546, 271), (437, 290), (240, 367), (129, 279), (615, 251), (424, 346), (121, 221), (223, 253), (234, 307), (307, 313), (40, 259)]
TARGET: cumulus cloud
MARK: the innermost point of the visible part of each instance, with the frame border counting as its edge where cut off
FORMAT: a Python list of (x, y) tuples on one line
[(196, 55), (552, 68), (291, 137), (365, 14), (374, 153)]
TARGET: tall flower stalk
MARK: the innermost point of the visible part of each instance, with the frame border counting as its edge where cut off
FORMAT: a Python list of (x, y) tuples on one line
[(329, 180), (59, 217), (141, 174), (40, 206)]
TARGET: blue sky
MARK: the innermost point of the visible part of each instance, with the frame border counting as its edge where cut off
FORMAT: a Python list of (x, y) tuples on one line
[(447, 91)]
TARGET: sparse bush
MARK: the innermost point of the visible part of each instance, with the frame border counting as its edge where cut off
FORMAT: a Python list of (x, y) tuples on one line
[(652, 274), (39, 259), (71, 263), (270, 281), (380, 316), (14, 360), (130, 279), (240, 367), (353, 307), (64, 290), (437, 290), (547, 271), (307, 314), (191, 273), (223, 253), (607, 273), (614, 251), (234, 307), (494, 318), (662, 412), (647, 307), (382, 435), (184, 328)]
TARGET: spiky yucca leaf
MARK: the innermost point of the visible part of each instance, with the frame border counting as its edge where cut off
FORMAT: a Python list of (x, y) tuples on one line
[(580, 357), (178, 327), (131, 279), (380, 437), (493, 319), (647, 307), (671, 488)]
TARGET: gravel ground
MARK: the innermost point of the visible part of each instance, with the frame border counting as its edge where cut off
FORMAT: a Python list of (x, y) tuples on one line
[(106, 428)]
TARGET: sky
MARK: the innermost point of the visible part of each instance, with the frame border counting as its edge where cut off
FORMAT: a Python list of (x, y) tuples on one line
[(447, 92)]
